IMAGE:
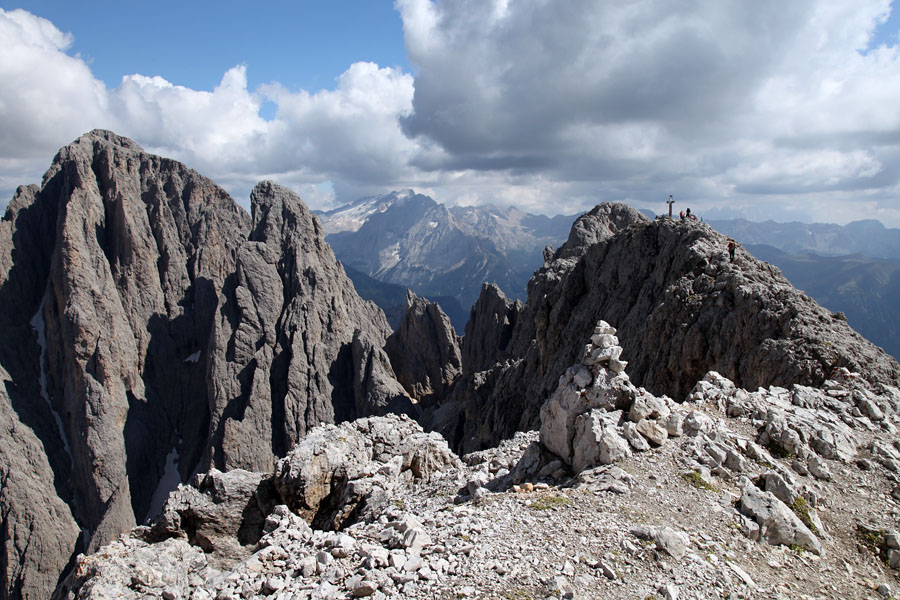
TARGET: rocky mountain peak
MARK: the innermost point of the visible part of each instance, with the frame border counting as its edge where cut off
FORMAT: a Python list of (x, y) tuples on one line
[(424, 351), (351, 217), (600, 223), (683, 308), (293, 342), (489, 330), (151, 328), (441, 251)]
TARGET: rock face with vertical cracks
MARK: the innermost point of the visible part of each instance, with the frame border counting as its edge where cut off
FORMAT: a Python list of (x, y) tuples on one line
[(425, 351), (282, 351), (484, 347), (37, 530), (489, 330), (109, 287), (148, 323), (142, 243)]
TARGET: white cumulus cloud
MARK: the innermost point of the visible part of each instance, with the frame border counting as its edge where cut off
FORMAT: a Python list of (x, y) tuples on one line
[(726, 104), (767, 109), (46, 95), (346, 140)]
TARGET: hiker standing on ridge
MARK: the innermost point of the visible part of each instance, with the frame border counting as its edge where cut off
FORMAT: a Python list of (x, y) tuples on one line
[(731, 248)]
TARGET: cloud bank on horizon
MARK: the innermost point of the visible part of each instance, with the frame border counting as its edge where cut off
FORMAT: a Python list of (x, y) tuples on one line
[(765, 110)]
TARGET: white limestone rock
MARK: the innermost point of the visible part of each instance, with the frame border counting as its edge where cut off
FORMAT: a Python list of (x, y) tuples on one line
[(597, 442), (673, 424), (777, 523), (604, 328), (635, 439), (558, 416), (648, 406), (604, 340), (616, 365), (696, 423), (652, 431)]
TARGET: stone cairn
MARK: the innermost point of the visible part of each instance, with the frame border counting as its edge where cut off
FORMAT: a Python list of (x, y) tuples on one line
[(597, 416)]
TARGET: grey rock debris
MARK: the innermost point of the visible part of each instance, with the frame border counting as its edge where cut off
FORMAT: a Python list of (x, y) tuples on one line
[(710, 513), (777, 523)]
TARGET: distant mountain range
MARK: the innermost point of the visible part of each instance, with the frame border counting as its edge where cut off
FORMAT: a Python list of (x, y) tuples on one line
[(411, 240), (853, 268), (391, 297), (404, 239), (868, 237)]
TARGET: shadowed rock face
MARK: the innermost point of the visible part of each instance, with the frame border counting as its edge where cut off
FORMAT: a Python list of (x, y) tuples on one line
[(142, 244), (149, 326), (489, 330), (39, 533), (282, 351), (682, 308), (425, 351), (110, 270)]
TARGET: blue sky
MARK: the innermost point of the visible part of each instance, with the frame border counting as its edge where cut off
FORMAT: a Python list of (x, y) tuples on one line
[(766, 110), (887, 32), (303, 44)]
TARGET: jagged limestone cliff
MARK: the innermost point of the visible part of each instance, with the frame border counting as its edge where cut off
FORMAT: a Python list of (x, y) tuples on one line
[(282, 350), (149, 328), (424, 351), (682, 307)]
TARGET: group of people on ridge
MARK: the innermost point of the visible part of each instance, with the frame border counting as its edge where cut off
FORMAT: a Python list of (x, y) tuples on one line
[(687, 215)]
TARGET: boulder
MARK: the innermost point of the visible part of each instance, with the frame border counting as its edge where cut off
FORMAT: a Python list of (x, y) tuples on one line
[(597, 442), (777, 523), (224, 514), (335, 469), (651, 430)]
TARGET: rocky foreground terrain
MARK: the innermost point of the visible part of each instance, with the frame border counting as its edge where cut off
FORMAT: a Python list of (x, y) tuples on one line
[(197, 403), (775, 493)]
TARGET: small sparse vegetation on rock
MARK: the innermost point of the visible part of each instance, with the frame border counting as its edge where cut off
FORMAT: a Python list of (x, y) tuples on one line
[(801, 508), (696, 479)]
